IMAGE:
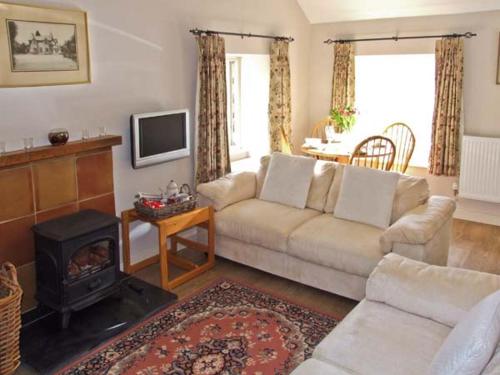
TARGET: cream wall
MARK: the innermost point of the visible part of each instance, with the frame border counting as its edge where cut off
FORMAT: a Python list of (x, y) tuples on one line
[(144, 59), (481, 94)]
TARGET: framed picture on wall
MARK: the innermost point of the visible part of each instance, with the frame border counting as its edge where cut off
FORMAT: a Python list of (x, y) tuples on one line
[(43, 46)]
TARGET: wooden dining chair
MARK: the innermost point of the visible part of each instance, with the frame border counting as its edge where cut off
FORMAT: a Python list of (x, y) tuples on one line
[(376, 152), (319, 128), (404, 140)]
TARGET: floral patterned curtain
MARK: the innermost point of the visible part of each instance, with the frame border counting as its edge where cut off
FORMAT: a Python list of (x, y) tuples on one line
[(444, 155), (212, 160), (343, 75), (280, 108)]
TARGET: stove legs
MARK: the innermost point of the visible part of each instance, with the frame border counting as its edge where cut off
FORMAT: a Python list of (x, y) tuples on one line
[(65, 317)]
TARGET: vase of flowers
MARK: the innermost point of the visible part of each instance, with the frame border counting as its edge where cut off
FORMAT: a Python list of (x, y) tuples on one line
[(343, 118)]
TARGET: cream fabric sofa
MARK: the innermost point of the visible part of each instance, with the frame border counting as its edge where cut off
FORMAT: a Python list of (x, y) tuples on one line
[(409, 310), (312, 246)]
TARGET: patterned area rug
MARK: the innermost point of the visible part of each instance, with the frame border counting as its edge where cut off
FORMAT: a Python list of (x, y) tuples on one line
[(227, 329)]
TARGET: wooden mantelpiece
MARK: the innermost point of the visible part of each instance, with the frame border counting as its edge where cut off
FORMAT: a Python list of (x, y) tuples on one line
[(13, 158)]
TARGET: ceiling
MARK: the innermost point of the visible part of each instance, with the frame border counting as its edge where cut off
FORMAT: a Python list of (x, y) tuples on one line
[(323, 11)]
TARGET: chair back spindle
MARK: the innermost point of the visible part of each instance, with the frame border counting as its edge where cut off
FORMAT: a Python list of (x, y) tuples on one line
[(404, 140), (376, 152)]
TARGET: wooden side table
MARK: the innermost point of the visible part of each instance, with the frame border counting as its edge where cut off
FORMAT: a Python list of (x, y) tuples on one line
[(169, 228)]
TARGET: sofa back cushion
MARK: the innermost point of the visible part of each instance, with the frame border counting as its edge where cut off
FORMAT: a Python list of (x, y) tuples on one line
[(320, 185), (411, 192), (366, 196), (443, 294), (470, 345), (262, 172), (288, 180), (324, 172), (333, 193)]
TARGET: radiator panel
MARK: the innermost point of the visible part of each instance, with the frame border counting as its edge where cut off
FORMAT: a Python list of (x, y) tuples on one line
[(480, 169)]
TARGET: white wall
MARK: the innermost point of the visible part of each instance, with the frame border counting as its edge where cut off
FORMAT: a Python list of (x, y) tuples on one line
[(144, 59)]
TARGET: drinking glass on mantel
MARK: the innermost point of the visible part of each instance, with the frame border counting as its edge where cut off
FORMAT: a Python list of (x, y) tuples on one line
[(85, 134), (102, 131), (2, 148), (28, 143)]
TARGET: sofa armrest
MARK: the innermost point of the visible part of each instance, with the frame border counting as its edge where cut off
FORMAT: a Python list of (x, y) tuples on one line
[(420, 225), (443, 294), (227, 190)]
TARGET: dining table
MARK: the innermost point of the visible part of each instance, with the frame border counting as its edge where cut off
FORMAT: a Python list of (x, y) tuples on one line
[(339, 152)]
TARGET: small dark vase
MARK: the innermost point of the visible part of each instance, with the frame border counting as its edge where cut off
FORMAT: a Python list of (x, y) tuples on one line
[(58, 137)]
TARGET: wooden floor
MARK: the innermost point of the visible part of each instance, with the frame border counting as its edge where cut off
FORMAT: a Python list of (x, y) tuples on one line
[(474, 246)]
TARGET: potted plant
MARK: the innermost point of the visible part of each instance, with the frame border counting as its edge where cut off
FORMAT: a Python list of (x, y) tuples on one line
[(343, 118)]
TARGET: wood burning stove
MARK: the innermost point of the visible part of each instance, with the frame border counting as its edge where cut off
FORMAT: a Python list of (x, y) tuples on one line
[(77, 261)]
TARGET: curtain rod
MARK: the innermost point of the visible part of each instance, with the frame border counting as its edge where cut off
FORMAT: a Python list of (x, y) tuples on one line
[(242, 35), (467, 35)]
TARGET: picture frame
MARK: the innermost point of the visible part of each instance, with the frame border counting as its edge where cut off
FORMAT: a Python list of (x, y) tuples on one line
[(498, 61), (41, 46)]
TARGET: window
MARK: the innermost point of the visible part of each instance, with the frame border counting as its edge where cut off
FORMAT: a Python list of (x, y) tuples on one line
[(396, 88), (247, 79)]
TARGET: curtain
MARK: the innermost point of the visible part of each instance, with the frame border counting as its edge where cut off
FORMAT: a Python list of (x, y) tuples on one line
[(212, 159), (444, 155), (280, 107), (343, 75)]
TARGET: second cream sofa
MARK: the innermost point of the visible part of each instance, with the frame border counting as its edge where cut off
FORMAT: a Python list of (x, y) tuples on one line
[(314, 247)]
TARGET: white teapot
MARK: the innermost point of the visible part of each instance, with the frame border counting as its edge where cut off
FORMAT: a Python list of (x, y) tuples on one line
[(172, 189)]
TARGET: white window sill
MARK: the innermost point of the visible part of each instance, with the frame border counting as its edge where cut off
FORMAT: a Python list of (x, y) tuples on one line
[(236, 155)]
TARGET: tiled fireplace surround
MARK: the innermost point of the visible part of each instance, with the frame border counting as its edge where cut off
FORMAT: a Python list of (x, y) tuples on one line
[(48, 187)]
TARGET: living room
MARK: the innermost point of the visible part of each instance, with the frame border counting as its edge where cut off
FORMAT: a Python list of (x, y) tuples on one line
[(309, 266)]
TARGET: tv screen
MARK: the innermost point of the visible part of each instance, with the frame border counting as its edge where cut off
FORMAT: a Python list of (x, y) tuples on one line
[(162, 134), (159, 137)]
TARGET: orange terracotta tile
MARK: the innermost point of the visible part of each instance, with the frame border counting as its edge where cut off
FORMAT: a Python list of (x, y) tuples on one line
[(95, 174), (16, 241), (56, 212), (55, 183), (16, 193), (106, 204)]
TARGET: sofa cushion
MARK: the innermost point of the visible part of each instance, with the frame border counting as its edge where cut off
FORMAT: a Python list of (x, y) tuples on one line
[(314, 367), (444, 294), (320, 184), (471, 344), (378, 339), (288, 180), (344, 245), (261, 223), (367, 196), (411, 192), (262, 172), (333, 193)]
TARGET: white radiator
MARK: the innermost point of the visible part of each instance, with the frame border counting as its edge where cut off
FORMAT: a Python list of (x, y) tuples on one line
[(480, 169)]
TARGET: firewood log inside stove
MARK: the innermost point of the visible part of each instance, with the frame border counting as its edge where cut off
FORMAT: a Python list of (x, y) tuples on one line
[(102, 251), (73, 269), (81, 257)]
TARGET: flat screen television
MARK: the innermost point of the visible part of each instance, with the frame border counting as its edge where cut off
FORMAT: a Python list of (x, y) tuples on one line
[(158, 137)]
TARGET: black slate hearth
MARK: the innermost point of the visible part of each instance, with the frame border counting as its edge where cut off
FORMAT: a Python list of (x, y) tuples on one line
[(45, 347)]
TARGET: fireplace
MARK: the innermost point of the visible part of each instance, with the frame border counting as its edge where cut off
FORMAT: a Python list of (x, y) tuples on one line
[(76, 258)]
